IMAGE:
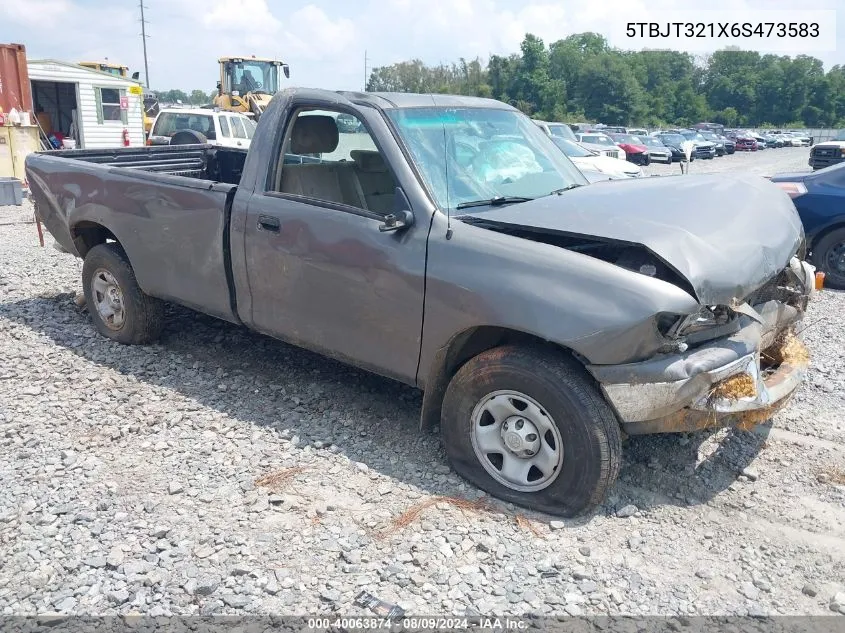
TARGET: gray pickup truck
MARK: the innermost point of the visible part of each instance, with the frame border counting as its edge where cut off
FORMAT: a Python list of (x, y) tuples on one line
[(450, 245)]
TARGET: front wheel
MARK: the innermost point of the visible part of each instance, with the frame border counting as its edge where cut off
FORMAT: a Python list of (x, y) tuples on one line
[(529, 426), (120, 309), (829, 257)]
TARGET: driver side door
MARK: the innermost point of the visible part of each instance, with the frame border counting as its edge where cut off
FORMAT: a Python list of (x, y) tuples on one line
[(322, 274)]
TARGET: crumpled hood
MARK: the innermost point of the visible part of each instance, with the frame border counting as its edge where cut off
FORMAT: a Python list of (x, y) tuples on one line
[(727, 236)]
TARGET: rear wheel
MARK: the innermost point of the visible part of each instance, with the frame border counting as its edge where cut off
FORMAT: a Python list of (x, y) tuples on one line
[(120, 309), (829, 257), (530, 427)]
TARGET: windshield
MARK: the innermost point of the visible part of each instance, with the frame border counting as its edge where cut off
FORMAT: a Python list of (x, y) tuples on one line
[(840, 136), (573, 150), (626, 138), (561, 131), (470, 154), (597, 139), (672, 138), (650, 141), (252, 76)]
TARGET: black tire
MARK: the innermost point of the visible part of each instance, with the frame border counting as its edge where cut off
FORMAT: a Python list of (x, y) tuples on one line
[(822, 251), (589, 429), (143, 315), (188, 137)]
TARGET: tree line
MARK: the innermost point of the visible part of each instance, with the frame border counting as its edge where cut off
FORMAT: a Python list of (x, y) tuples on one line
[(583, 78), (195, 97)]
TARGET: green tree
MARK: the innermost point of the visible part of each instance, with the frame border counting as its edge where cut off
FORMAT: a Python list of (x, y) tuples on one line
[(198, 98)]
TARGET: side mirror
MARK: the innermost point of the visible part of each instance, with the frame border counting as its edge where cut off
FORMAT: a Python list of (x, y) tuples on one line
[(397, 221), (401, 218), (286, 70), (136, 75), (219, 88)]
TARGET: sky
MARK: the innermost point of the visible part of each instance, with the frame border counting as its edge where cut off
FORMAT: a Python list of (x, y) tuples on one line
[(324, 41)]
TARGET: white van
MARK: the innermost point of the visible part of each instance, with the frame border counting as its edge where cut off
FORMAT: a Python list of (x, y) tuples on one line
[(225, 129)]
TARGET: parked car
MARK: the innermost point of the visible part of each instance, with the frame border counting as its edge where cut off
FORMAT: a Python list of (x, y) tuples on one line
[(703, 147), (828, 153), (657, 151), (601, 143), (773, 140), (675, 143), (761, 142), (217, 127), (585, 159), (819, 197), (612, 129), (560, 130), (730, 144), (348, 124), (558, 316), (712, 137), (596, 176), (745, 142), (633, 147), (636, 131), (803, 139)]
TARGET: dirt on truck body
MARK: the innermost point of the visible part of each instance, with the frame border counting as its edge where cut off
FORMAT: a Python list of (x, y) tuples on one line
[(450, 245)]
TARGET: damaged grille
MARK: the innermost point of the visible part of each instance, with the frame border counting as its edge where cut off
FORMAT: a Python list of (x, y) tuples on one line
[(787, 287)]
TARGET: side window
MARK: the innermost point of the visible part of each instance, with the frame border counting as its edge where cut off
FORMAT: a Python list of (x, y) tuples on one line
[(108, 104), (163, 125), (331, 157), (238, 129), (224, 127)]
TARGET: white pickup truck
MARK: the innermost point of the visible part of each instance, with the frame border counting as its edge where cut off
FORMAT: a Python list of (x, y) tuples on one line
[(828, 153)]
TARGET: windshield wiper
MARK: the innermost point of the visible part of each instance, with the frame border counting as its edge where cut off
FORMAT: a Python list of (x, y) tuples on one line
[(493, 202), (566, 188)]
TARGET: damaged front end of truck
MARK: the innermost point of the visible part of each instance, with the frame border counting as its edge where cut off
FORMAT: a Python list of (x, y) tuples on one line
[(736, 247), (733, 365)]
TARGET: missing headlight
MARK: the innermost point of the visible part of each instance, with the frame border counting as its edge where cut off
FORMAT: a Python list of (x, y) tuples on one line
[(708, 323)]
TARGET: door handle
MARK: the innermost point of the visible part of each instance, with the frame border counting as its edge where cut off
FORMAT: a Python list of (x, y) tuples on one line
[(268, 223)]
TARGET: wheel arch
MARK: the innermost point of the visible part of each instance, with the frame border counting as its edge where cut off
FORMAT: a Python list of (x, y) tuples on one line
[(461, 348), (818, 236), (86, 234)]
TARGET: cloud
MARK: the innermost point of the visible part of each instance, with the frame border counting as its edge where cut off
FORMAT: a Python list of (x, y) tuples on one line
[(244, 17), (312, 34), (37, 13), (322, 40)]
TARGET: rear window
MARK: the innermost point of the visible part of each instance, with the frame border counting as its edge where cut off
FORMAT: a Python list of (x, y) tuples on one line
[(168, 123)]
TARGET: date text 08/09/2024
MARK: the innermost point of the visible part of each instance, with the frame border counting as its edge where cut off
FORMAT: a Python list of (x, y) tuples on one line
[(417, 624), (722, 29)]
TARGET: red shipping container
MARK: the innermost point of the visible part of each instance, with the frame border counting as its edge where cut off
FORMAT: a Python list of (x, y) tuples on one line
[(15, 91)]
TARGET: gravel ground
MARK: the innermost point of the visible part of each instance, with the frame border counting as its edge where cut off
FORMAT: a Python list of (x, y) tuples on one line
[(220, 471), (762, 163)]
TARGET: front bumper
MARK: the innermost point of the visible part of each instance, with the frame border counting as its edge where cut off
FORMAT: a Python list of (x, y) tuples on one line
[(820, 162), (685, 391)]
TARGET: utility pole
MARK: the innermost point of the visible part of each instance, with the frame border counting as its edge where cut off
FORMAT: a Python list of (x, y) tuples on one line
[(366, 78), (144, 41)]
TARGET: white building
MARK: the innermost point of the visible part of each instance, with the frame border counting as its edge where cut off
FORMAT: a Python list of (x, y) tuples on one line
[(90, 106)]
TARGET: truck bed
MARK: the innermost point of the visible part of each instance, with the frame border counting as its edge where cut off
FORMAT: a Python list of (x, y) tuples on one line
[(205, 162), (168, 206)]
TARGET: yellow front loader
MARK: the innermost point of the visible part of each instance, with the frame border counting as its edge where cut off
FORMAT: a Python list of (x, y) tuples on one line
[(248, 83)]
